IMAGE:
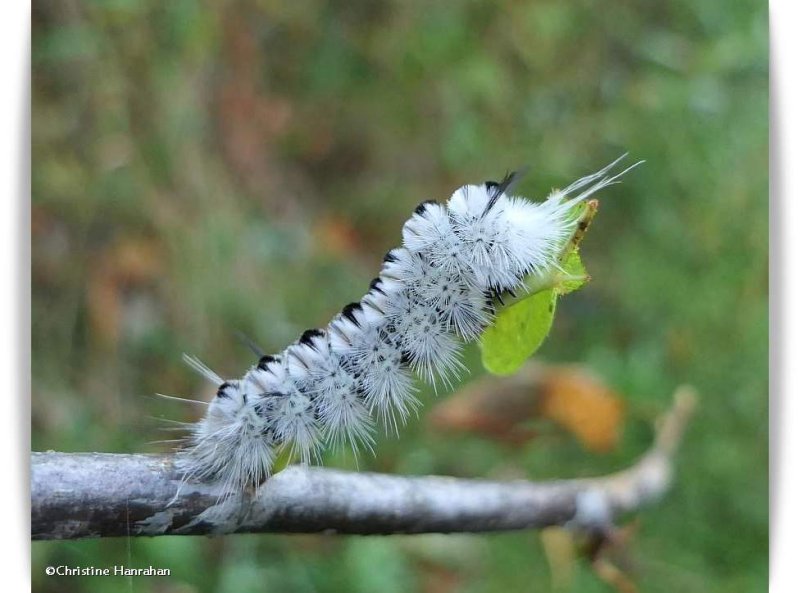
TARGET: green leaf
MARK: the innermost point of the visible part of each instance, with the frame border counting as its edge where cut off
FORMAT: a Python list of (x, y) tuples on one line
[(517, 333), (523, 322), (522, 325), (573, 274)]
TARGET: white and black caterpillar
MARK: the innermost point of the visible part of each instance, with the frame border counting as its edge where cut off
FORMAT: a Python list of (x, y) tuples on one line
[(433, 294)]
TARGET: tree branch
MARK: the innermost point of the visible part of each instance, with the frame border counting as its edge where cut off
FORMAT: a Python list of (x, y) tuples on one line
[(78, 495)]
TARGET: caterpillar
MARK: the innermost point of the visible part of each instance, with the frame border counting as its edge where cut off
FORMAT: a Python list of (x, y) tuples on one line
[(433, 294)]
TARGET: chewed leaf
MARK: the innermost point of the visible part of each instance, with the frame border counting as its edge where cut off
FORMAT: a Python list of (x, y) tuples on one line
[(521, 327), (573, 275), (518, 332)]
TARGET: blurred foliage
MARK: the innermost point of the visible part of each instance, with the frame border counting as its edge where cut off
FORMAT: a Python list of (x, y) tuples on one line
[(201, 168)]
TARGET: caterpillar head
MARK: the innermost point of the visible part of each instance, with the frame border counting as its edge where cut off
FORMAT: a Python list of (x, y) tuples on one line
[(233, 444)]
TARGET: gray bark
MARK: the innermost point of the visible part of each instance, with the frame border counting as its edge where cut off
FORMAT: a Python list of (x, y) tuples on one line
[(78, 495)]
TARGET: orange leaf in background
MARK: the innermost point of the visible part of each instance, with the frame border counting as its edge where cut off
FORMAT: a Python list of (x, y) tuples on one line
[(501, 407), (580, 403)]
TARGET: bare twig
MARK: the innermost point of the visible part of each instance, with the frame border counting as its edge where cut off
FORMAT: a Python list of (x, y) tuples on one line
[(104, 495)]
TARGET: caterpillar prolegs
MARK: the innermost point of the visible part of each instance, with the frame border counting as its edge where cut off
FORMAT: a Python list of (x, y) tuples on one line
[(433, 294)]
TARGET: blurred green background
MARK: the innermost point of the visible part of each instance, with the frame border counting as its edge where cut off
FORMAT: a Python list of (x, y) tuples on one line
[(203, 168)]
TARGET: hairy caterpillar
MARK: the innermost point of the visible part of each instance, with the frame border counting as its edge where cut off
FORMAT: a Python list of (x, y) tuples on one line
[(433, 294)]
